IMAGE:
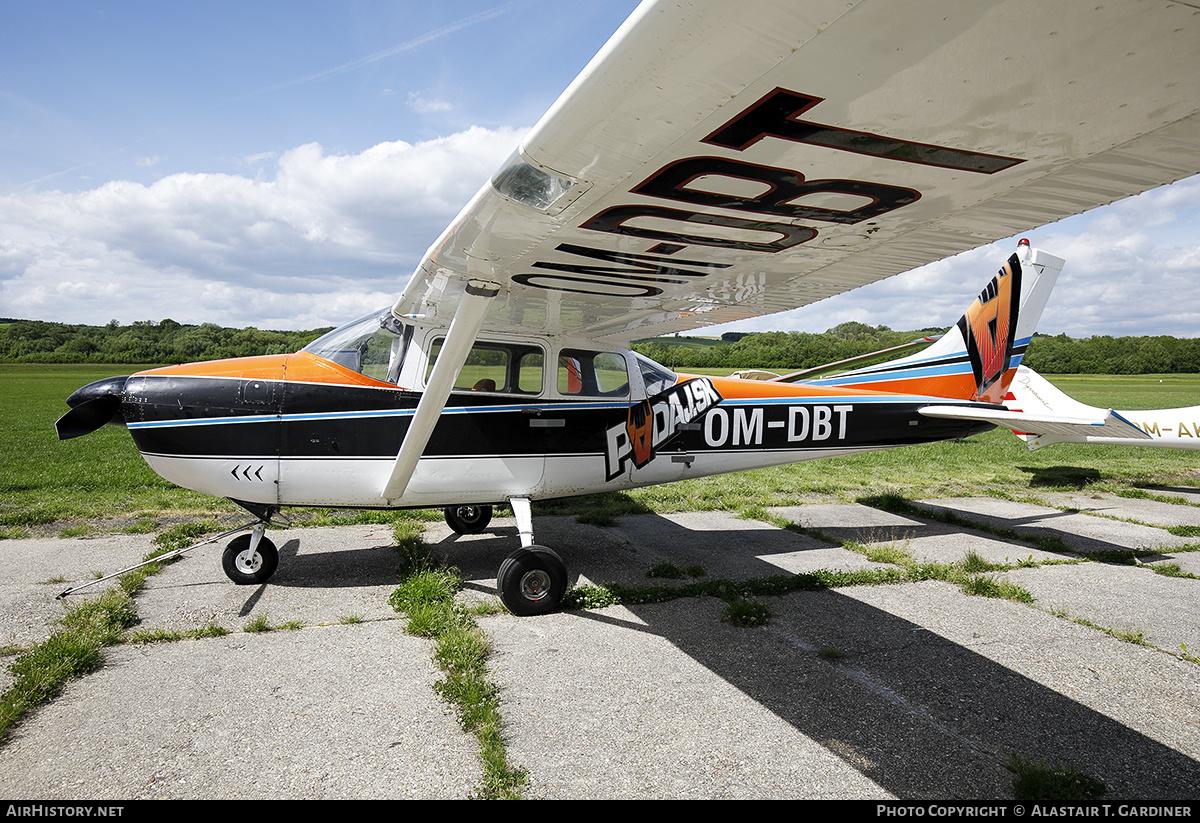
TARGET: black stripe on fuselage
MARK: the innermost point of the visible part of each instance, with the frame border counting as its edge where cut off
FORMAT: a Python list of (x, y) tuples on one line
[(207, 417)]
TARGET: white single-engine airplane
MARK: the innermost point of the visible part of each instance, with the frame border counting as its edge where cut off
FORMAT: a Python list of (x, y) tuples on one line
[(715, 161), (1157, 428)]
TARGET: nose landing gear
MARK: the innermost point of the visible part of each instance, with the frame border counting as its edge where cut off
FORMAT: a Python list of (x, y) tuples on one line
[(250, 558)]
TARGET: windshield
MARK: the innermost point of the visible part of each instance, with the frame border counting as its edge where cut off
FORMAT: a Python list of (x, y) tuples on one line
[(373, 345)]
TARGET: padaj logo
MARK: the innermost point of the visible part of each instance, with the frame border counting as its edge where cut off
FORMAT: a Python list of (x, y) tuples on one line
[(654, 422)]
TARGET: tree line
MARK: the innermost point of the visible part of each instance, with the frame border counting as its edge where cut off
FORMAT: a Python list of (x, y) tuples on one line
[(793, 351), (166, 341), (775, 350)]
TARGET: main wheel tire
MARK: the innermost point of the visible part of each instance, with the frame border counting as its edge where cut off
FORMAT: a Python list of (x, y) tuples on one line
[(244, 569), (532, 581), (468, 519)]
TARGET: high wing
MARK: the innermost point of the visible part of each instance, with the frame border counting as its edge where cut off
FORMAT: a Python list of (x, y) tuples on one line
[(717, 161)]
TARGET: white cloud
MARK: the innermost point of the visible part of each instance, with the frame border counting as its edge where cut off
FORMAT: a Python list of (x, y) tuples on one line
[(330, 237), (254, 160), (318, 238), (419, 104)]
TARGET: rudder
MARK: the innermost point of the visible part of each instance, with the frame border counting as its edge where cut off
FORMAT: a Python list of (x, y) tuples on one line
[(978, 357)]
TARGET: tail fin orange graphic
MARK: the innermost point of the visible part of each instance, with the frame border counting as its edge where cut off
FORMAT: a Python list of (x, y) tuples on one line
[(989, 328)]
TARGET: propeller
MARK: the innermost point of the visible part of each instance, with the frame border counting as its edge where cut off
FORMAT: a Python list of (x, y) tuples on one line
[(92, 406)]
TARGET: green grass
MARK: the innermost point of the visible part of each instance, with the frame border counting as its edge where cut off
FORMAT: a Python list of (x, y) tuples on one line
[(1171, 570), (747, 613), (426, 596), (257, 624), (174, 635), (587, 596)]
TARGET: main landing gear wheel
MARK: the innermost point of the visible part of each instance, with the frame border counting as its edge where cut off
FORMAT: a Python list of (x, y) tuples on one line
[(532, 580), (245, 568), (468, 519)]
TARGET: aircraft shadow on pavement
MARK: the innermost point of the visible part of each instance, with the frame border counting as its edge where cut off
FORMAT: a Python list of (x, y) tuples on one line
[(917, 713), (374, 565)]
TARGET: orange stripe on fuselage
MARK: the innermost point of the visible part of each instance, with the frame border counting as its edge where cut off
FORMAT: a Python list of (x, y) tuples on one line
[(300, 367), (951, 386), (303, 367)]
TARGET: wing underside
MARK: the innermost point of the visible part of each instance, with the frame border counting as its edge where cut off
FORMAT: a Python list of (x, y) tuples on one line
[(718, 161)]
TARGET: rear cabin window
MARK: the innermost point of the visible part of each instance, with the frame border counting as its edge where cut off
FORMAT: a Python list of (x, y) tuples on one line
[(497, 367), (592, 374), (655, 378)]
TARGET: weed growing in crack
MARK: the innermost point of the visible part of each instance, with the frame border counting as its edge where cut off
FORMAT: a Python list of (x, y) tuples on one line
[(426, 597)]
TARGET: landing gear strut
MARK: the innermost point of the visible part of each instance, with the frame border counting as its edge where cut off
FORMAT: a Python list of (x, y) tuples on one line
[(533, 579)]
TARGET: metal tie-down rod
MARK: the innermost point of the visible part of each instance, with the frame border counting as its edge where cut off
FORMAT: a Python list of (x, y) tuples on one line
[(259, 526)]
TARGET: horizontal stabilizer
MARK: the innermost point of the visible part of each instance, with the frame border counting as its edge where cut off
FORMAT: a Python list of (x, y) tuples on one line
[(1107, 424)]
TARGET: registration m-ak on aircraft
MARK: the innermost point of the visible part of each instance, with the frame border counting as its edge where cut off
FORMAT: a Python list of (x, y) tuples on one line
[(714, 162)]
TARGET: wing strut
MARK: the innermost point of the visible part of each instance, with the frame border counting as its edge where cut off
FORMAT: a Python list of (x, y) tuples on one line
[(464, 328)]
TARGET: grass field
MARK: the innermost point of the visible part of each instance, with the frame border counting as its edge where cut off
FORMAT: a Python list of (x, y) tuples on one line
[(99, 483), (48, 484)]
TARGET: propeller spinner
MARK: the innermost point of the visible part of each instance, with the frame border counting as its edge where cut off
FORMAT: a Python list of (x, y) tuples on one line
[(92, 406)]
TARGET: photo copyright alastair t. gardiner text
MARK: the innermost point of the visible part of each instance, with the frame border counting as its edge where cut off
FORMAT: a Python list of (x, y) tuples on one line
[(954, 810)]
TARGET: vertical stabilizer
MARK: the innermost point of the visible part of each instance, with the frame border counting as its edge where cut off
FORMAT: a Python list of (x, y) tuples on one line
[(977, 358)]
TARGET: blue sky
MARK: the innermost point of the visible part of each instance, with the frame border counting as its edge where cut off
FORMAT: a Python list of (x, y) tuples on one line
[(138, 90), (285, 165)]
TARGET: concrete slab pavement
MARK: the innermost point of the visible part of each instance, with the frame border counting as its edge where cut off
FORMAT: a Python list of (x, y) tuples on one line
[(910, 690)]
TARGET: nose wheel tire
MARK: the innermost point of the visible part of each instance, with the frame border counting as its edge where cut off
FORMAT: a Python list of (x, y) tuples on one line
[(468, 519), (532, 581), (246, 568)]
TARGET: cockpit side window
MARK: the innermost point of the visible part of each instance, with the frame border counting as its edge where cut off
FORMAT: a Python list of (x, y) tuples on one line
[(504, 368)]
